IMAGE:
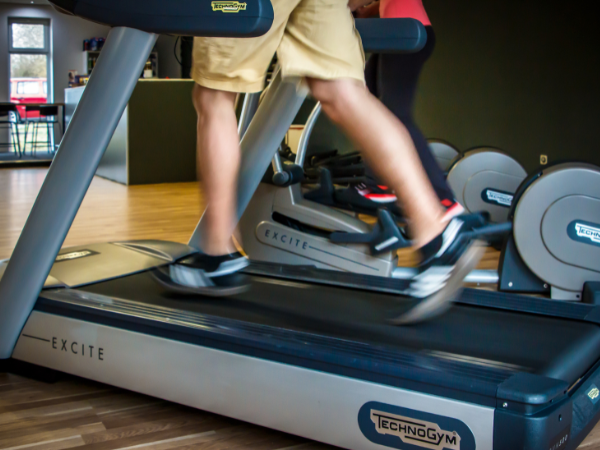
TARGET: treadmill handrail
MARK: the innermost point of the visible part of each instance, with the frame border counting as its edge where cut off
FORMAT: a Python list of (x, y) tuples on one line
[(392, 35), (102, 104), (227, 18)]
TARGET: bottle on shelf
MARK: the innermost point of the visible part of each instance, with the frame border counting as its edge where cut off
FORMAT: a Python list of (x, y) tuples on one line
[(148, 72)]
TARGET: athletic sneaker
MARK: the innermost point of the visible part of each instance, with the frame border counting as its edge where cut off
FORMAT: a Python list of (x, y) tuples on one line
[(377, 196), (376, 193), (214, 276), (445, 263), (453, 209), (368, 198)]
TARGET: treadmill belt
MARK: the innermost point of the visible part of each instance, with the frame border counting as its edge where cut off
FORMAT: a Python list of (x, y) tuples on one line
[(549, 346)]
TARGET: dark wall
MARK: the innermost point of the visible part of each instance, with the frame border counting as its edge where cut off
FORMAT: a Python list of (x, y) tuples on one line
[(162, 133), (520, 75)]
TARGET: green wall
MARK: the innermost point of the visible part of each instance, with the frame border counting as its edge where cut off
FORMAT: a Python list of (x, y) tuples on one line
[(519, 75)]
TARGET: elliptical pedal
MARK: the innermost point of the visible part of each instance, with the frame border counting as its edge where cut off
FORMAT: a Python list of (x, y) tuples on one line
[(385, 236)]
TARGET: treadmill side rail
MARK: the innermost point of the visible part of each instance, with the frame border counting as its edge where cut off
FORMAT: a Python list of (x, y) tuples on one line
[(276, 395)]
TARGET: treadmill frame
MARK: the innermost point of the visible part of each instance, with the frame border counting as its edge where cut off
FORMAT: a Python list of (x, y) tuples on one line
[(239, 362), (252, 389), (224, 381)]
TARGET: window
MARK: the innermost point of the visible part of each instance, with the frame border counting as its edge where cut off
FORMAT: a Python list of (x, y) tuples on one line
[(27, 36), (29, 47)]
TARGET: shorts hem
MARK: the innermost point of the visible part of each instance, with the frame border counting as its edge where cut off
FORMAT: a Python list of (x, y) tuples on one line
[(335, 76), (244, 87)]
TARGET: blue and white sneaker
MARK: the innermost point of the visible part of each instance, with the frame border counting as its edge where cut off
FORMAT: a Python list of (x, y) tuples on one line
[(445, 263), (213, 276)]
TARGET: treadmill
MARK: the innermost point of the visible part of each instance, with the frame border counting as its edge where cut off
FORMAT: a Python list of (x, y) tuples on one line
[(304, 351)]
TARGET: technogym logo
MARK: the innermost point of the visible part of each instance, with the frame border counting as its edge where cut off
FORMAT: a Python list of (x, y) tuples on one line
[(408, 429), (593, 394), (584, 232), (499, 198), (417, 432), (228, 6)]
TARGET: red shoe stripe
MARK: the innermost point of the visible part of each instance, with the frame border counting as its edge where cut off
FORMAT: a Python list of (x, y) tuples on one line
[(381, 198)]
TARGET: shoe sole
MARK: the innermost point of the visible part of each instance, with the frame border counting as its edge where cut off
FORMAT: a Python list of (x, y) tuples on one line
[(440, 302), (230, 267), (210, 291)]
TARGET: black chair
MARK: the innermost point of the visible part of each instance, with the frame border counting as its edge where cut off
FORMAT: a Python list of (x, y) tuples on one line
[(48, 117), (10, 119)]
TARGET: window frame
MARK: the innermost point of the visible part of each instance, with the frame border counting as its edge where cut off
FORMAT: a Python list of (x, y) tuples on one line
[(47, 50), (28, 21)]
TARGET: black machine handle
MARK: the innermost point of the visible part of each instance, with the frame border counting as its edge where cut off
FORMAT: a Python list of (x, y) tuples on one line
[(384, 237), (177, 17), (387, 236), (392, 35), (495, 229), (326, 190), (289, 174)]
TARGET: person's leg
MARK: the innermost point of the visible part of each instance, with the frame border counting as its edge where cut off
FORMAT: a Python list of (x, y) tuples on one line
[(447, 252), (222, 67), (218, 160), (388, 149), (214, 271), (398, 79)]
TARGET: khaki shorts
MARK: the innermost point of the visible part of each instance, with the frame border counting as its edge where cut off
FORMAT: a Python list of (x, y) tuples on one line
[(312, 38)]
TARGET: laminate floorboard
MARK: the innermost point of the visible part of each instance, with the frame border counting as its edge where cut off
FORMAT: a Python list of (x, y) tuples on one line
[(72, 413), (110, 211)]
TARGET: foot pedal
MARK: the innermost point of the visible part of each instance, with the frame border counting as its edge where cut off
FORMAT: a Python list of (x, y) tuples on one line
[(324, 193), (384, 237)]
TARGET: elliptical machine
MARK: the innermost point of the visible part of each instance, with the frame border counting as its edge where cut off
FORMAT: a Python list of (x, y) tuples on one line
[(444, 152), (483, 179), (551, 246)]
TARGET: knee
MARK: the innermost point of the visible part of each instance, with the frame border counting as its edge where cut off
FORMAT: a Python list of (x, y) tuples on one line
[(337, 96), (208, 101)]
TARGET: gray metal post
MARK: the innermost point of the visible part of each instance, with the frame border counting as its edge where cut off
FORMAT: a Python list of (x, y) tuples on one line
[(249, 108), (306, 133), (273, 118), (102, 104)]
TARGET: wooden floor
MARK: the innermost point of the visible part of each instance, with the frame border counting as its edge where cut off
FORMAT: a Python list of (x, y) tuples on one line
[(75, 413), (110, 211)]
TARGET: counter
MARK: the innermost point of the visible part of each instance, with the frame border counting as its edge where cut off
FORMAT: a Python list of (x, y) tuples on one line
[(155, 141)]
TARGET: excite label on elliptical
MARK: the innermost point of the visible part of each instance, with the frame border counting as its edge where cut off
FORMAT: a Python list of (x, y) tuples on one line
[(408, 429), (584, 232)]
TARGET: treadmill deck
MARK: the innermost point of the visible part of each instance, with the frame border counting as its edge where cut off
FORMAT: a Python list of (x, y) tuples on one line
[(506, 341)]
